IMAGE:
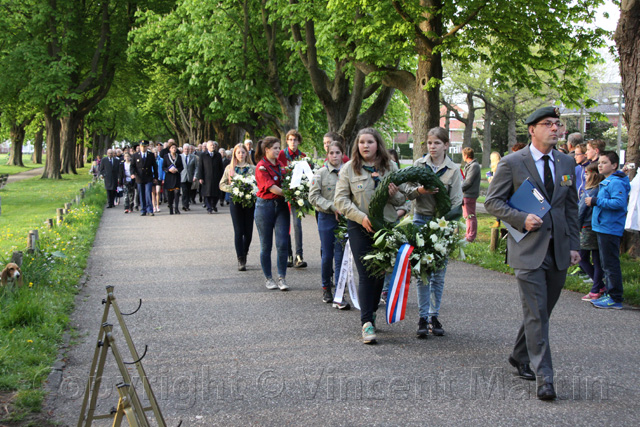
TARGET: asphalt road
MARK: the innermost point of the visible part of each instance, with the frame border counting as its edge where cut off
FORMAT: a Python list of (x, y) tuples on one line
[(223, 350)]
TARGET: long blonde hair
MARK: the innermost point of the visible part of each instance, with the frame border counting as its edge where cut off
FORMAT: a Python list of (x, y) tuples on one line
[(495, 159), (234, 160)]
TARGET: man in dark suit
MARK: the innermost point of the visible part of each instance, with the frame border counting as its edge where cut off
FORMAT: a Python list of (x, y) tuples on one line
[(109, 169), (145, 172), (188, 175), (209, 175), (248, 144), (541, 258)]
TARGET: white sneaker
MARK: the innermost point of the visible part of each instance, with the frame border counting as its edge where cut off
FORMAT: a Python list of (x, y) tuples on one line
[(368, 333), (271, 284), (282, 284)]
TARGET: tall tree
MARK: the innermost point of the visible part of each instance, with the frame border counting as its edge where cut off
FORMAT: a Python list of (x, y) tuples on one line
[(627, 38), (550, 36)]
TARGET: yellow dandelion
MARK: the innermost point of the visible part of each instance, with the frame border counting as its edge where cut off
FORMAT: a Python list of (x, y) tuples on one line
[(30, 284), (30, 341)]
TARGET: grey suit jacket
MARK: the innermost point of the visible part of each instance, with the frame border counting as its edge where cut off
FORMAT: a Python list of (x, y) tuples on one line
[(561, 220), (189, 171)]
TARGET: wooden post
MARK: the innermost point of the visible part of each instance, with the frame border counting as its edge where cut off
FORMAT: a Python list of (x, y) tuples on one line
[(78, 198), (67, 206), (16, 257), (82, 193), (495, 239), (49, 222), (32, 241), (60, 215)]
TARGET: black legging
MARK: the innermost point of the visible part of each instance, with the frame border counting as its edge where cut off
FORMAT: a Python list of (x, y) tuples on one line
[(369, 286), (173, 197), (242, 227)]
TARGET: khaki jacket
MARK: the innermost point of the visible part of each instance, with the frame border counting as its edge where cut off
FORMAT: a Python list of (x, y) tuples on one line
[(424, 204), (323, 188), (224, 182), (354, 193)]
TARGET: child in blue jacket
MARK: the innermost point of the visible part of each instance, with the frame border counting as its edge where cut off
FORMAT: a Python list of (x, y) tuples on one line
[(609, 214)]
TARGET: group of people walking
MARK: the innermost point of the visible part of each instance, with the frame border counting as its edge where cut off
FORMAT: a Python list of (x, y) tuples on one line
[(343, 188)]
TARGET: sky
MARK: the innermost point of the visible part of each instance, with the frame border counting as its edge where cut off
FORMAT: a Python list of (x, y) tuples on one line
[(612, 71)]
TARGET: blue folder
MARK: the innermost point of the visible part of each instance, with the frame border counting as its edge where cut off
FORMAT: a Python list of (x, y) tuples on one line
[(529, 199)]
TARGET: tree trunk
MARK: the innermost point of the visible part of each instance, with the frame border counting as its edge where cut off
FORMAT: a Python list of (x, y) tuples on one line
[(52, 165), (628, 44), (425, 102), (37, 146), (511, 124), (486, 143), (17, 140), (471, 117), (80, 146), (68, 131)]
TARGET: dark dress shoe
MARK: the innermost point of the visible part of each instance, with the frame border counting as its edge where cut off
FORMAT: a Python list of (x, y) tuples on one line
[(546, 392), (214, 209), (524, 371)]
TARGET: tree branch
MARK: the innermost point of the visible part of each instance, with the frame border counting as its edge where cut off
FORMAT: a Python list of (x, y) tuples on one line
[(402, 80), (463, 24), (404, 15)]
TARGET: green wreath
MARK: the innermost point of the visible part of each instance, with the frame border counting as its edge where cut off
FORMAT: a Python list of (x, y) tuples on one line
[(420, 175)]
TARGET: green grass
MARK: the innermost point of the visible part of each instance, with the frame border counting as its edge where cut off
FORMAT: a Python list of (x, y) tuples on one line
[(28, 203), (34, 317), (478, 253), (12, 170)]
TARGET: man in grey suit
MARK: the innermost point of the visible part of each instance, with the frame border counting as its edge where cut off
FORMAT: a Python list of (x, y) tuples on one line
[(187, 176), (541, 258)]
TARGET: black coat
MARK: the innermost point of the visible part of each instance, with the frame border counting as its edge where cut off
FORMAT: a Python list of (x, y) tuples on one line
[(172, 180), (146, 171), (110, 173), (210, 171)]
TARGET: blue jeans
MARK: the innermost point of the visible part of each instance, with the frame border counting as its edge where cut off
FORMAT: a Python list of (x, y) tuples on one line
[(430, 294), (610, 262), (297, 231), (270, 216), (330, 248), (144, 190)]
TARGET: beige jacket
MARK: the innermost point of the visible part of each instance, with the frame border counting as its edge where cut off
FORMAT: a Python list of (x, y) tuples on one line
[(323, 188), (424, 204), (354, 193), (224, 182)]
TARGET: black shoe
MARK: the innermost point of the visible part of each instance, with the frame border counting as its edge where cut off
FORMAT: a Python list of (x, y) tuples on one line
[(152, 214), (300, 263), (423, 328), (436, 327), (170, 210), (214, 209), (242, 263), (327, 296), (177, 211), (546, 392), (290, 262), (137, 208), (143, 214), (524, 371)]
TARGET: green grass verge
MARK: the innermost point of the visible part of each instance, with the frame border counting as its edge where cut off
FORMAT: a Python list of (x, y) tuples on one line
[(12, 170), (478, 253), (34, 317)]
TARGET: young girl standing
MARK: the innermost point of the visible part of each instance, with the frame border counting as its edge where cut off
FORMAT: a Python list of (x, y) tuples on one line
[(271, 212), (356, 185), (286, 157), (242, 217), (430, 294), (321, 196), (588, 238)]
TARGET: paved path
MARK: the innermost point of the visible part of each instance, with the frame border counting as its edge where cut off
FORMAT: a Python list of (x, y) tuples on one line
[(223, 350), (25, 175)]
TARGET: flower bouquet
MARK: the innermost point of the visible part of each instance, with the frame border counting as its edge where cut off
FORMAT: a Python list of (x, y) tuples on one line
[(243, 190), (298, 196), (432, 244)]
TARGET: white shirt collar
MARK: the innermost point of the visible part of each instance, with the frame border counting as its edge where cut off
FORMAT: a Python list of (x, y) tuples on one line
[(537, 154)]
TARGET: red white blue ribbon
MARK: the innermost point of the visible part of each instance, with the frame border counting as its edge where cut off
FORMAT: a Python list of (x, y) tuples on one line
[(399, 286)]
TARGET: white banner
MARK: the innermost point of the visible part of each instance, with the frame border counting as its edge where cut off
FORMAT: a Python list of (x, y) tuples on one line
[(346, 276), (300, 167)]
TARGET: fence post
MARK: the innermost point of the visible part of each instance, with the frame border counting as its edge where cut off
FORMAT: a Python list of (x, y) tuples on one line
[(32, 241), (60, 215)]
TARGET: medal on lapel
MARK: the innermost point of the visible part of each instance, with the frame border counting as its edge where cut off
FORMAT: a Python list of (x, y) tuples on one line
[(566, 181)]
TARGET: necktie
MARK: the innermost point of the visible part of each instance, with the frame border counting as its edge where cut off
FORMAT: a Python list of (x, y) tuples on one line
[(372, 170), (548, 177)]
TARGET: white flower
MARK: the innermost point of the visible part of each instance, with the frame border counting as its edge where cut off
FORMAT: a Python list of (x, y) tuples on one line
[(248, 196), (297, 193), (433, 238), (440, 248), (433, 225), (419, 240), (427, 259), (236, 191), (300, 202), (442, 223)]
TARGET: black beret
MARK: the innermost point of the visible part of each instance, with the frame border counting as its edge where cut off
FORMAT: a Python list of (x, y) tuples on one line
[(542, 113)]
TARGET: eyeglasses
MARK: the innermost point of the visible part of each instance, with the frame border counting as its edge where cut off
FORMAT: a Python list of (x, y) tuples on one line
[(550, 124)]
